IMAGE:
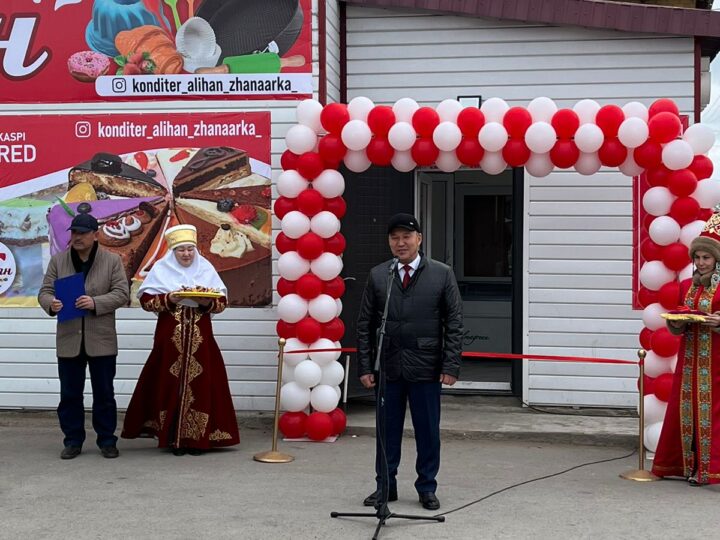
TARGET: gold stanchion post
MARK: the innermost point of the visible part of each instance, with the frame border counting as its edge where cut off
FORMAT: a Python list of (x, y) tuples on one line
[(273, 456), (640, 474)]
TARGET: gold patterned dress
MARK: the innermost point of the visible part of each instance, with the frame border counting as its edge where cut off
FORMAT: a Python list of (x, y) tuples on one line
[(182, 396)]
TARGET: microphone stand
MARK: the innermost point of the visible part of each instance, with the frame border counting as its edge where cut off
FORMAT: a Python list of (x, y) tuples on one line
[(383, 512)]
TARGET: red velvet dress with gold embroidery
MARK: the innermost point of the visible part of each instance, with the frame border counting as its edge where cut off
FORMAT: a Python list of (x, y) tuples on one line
[(183, 396), (690, 438)]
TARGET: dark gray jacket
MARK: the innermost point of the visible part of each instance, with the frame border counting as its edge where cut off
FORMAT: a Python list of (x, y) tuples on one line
[(423, 335)]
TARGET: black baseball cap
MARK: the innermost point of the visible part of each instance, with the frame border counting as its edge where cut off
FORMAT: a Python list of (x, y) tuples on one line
[(83, 223), (403, 221)]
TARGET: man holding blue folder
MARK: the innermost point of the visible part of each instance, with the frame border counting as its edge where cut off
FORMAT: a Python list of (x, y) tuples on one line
[(83, 287)]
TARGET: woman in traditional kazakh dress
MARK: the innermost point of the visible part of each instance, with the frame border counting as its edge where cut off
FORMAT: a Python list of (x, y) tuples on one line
[(183, 397), (689, 444)]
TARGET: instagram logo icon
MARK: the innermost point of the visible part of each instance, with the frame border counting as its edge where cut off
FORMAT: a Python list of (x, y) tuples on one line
[(83, 130)]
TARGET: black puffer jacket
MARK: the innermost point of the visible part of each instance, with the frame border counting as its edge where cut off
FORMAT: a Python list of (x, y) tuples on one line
[(423, 335)]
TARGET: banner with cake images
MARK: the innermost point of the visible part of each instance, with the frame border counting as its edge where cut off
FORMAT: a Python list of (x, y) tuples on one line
[(55, 51), (138, 174)]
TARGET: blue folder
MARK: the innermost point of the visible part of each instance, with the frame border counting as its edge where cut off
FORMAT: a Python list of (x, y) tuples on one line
[(68, 290)]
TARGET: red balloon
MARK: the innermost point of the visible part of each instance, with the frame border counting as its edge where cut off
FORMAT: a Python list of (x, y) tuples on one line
[(516, 121), (425, 120), (669, 294), (612, 152), (310, 246), (609, 118), (379, 151), (658, 176), (283, 205), (309, 286), (663, 343), (424, 152), (285, 244), (663, 105), (662, 386), (285, 330), (648, 155), (285, 286), (310, 165), (333, 330), (335, 287), (336, 244), (339, 421), (705, 214), (288, 160), (650, 251), (684, 210), (308, 330), (292, 424), (319, 426), (646, 296), (331, 148), (675, 256), (469, 151), (564, 154), (337, 206), (515, 152), (333, 117), (647, 220), (470, 121), (380, 119), (565, 122), (702, 167), (664, 127), (310, 202), (645, 337), (682, 183), (648, 383)]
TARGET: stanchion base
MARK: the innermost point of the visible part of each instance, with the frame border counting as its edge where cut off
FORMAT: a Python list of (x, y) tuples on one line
[(639, 475), (273, 456)]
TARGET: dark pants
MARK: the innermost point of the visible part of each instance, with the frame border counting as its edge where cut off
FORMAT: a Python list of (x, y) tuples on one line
[(71, 411), (424, 398)]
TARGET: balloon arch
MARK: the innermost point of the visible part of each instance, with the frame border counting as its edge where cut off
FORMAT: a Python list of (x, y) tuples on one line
[(678, 198)]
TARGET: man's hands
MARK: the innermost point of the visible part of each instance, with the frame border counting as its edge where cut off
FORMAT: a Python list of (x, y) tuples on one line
[(368, 381), (85, 302), (56, 305), (448, 379)]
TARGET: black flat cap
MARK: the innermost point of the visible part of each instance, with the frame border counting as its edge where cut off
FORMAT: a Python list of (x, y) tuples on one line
[(403, 221), (83, 223)]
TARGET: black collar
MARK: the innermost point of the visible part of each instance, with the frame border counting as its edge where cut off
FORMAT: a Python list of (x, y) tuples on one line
[(79, 264)]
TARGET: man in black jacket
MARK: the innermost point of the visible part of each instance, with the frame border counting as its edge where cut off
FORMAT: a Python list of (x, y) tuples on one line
[(421, 351)]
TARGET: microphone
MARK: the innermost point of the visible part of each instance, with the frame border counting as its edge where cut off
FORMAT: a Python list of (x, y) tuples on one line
[(393, 264)]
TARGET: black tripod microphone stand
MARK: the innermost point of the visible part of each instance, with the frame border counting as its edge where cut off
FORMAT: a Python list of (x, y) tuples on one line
[(383, 512)]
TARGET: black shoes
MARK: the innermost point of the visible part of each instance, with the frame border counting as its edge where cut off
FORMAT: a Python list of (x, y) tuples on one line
[(195, 451), (109, 452), (429, 501), (70, 452), (372, 499)]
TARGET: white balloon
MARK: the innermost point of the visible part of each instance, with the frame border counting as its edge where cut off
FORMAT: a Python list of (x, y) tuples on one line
[(700, 137), (673, 363), (292, 308), (359, 107), (308, 114), (447, 136), (586, 110), (356, 135), (588, 163), (323, 398), (447, 162), (403, 161), (492, 137), (330, 183), (654, 409), (652, 318), (294, 344), (707, 193), (691, 231), (589, 138), (300, 139), (658, 200), (651, 436), (540, 137), (657, 365), (542, 109), (664, 230), (339, 305), (323, 358), (332, 374), (635, 109), (356, 161), (291, 265), (325, 224), (338, 392), (404, 109), (633, 132), (493, 163), (448, 110), (294, 397), (307, 374), (402, 136), (677, 155), (686, 273), (322, 308), (294, 224), (327, 266), (654, 274), (539, 165), (629, 167), (290, 184), (494, 109), (288, 372)]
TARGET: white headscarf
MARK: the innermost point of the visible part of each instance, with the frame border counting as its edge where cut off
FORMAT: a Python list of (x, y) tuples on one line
[(168, 275)]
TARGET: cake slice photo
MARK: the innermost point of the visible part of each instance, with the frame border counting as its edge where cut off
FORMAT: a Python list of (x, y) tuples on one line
[(206, 168), (110, 176)]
